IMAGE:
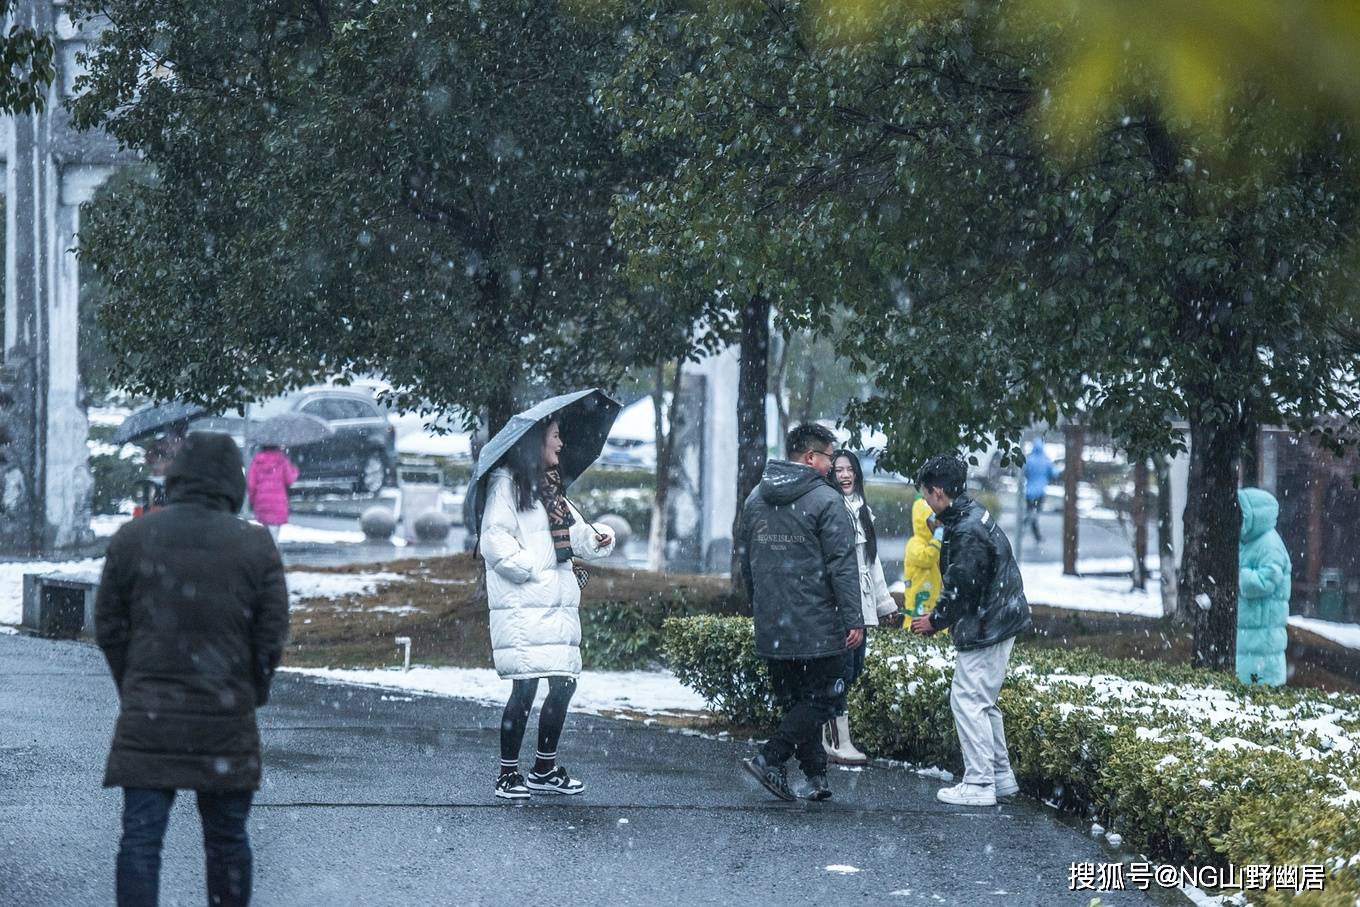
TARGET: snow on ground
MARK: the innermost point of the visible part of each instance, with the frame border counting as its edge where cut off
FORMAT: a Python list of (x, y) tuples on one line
[(106, 524), (1347, 635), (291, 533), (108, 416), (651, 692), (1045, 584), (304, 584), (12, 581), (301, 583)]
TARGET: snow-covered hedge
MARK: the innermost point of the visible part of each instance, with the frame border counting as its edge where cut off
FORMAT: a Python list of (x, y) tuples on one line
[(1188, 766)]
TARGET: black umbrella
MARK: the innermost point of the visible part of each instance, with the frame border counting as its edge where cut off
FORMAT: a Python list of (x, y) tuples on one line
[(584, 418), (291, 430), (155, 418)]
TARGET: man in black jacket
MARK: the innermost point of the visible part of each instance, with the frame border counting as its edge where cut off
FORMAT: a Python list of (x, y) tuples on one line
[(982, 603), (192, 615), (797, 550)]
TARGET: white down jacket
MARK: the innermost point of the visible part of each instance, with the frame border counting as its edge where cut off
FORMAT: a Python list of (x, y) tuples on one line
[(874, 598), (535, 625)]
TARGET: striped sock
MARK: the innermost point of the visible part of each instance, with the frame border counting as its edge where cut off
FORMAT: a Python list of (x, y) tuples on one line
[(509, 766), (544, 762)]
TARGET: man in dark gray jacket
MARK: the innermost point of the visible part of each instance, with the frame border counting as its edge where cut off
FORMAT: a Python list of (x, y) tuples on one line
[(192, 616), (982, 604), (797, 550)]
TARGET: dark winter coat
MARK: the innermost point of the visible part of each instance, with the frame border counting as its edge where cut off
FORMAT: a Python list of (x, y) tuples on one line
[(192, 616), (982, 599), (798, 562)]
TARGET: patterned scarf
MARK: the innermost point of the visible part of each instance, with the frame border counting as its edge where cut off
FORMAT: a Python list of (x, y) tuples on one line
[(553, 495)]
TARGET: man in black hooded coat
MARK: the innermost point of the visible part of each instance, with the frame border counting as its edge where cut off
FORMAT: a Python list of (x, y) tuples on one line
[(192, 615)]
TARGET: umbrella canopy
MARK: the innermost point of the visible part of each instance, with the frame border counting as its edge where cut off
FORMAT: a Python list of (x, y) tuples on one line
[(148, 420), (584, 419), (290, 430)]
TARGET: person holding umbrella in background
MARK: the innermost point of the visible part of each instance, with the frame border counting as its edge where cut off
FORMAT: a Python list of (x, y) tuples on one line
[(529, 534), (271, 472), (270, 476)]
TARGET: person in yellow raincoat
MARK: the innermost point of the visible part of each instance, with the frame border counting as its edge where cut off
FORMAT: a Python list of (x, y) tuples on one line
[(921, 570)]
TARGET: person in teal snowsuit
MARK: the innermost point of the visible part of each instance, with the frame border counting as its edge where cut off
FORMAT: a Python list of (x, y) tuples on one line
[(1263, 584)]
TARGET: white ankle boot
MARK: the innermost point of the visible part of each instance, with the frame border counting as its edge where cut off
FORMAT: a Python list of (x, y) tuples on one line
[(836, 741)]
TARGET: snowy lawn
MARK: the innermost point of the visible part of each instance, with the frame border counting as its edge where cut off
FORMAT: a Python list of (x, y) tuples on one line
[(307, 584), (1347, 635), (302, 584), (597, 692), (1045, 584)]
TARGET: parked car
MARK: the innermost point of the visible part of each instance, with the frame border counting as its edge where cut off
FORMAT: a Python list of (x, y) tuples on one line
[(361, 454)]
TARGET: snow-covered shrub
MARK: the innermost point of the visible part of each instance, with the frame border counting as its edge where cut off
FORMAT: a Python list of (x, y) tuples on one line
[(1188, 766)]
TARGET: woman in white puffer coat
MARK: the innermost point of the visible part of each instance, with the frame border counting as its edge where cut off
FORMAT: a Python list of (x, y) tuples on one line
[(529, 534), (875, 602)]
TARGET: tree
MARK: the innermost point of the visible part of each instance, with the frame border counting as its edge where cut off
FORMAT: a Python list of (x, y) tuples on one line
[(995, 285), (1298, 63), (26, 65), (404, 187), (691, 228)]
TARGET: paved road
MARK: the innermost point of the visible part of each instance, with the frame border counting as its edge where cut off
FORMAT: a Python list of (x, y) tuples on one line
[(373, 798)]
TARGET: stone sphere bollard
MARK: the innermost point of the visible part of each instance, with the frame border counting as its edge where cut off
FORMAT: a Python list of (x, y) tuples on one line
[(622, 531), (378, 523), (432, 526)]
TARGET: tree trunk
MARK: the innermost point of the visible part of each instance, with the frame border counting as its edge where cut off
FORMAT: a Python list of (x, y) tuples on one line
[(1075, 436), (781, 390), (751, 389), (499, 410), (1166, 537), (656, 542), (1140, 533), (1208, 575), (809, 391)]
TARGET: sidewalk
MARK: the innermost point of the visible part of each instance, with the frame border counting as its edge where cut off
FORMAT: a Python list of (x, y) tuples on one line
[(379, 797)]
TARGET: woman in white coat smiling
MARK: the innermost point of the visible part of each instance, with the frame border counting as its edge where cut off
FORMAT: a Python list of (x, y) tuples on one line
[(530, 533), (875, 602)]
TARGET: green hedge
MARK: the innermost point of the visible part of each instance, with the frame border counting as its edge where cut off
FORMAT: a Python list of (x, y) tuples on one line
[(628, 635), (1189, 766)]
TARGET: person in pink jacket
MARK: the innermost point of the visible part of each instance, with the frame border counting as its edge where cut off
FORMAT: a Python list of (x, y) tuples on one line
[(268, 480)]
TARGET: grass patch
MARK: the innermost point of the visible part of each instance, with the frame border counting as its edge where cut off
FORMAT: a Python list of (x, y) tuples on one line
[(441, 604)]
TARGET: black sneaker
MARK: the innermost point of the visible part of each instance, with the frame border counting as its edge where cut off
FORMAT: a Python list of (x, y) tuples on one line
[(818, 789), (555, 782), (511, 787), (775, 779)]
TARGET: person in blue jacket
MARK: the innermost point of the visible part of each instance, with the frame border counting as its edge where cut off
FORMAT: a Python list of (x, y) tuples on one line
[(1039, 474), (1264, 586)]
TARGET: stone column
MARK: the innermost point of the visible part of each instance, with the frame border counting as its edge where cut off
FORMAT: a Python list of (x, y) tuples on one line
[(50, 171), (30, 184)]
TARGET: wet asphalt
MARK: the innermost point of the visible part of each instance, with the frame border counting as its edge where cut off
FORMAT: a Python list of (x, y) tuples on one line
[(384, 798)]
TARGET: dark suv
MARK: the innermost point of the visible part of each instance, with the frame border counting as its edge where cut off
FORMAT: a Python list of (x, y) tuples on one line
[(360, 455)]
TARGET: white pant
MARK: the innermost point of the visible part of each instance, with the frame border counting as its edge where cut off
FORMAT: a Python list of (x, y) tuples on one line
[(274, 532), (973, 696)]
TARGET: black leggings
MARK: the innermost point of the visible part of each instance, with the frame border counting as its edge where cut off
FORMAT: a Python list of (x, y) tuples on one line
[(550, 719)]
